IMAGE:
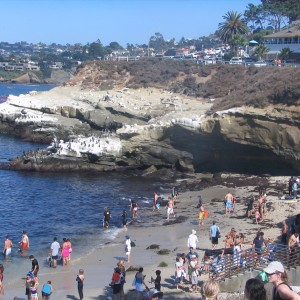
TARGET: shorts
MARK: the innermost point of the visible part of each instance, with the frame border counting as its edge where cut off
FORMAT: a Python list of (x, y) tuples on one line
[(170, 211), (7, 251), (214, 240), (201, 216), (135, 209), (55, 257), (194, 279)]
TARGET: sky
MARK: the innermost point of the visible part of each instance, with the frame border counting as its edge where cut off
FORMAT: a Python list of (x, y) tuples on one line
[(123, 21)]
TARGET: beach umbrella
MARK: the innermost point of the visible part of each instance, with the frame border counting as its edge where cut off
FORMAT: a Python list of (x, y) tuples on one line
[(253, 43)]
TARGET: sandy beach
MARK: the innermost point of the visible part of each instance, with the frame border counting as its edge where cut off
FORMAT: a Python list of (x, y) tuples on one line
[(98, 265)]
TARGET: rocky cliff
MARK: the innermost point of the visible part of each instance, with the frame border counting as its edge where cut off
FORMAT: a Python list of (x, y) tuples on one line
[(110, 117)]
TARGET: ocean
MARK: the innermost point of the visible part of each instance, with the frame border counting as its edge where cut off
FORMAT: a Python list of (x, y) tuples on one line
[(62, 205)]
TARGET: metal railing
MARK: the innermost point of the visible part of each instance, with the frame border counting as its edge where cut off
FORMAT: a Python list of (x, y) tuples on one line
[(230, 263)]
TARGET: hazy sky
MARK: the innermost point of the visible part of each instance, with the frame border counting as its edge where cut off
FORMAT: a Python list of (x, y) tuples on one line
[(123, 21)]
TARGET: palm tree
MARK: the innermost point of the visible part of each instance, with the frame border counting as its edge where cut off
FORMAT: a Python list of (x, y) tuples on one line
[(261, 50), (232, 25), (285, 53)]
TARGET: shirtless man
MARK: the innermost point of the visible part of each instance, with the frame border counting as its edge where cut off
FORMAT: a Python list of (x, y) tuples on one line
[(24, 243), (170, 207), (7, 246), (228, 203), (261, 205)]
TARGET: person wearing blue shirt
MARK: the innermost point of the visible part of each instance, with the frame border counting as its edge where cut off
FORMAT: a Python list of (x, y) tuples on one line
[(214, 234)]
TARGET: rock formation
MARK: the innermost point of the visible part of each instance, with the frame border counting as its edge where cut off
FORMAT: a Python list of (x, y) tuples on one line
[(148, 129)]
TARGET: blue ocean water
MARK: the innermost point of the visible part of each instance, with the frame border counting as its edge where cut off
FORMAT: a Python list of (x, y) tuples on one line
[(62, 205)]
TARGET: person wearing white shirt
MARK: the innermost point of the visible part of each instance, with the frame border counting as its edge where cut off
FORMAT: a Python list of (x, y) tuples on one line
[(54, 249), (192, 240)]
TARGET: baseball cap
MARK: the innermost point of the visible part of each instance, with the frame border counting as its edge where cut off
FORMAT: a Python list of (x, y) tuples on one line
[(273, 267)]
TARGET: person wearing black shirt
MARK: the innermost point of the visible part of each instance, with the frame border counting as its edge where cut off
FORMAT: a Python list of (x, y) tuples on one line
[(106, 217), (35, 265)]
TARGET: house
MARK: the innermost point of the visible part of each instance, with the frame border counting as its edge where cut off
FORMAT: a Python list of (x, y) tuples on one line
[(286, 38)]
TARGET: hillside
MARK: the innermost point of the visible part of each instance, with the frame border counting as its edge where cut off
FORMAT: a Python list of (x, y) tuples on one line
[(230, 85)]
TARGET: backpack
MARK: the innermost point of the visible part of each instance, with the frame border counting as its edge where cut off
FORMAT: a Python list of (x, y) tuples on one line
[(46, 289)]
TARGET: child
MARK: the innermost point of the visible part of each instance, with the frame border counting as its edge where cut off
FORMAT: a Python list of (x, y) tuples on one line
[(257, 216), (79, 279), (157, 280)]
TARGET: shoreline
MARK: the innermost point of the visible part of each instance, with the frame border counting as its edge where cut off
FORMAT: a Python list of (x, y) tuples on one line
[(99, 263)]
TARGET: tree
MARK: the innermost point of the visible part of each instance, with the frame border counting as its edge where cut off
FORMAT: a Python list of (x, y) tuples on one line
[(157, 42), (285, 53), (232, 25), (115, 46), (96, 50), (261, 51), (238, 41), (289, 9), (254, 15)]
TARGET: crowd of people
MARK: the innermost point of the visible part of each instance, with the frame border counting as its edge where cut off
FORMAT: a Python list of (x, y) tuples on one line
[(188, 266)]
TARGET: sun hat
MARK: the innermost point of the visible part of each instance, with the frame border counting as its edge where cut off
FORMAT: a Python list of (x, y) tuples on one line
[(273, 267), (194, 231)]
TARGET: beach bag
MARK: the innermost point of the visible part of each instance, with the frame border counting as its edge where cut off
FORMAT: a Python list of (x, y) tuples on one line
[(205, 214)]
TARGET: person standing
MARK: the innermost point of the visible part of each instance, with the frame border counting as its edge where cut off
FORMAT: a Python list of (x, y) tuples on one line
[(228, 203), (214, 234), (133, 209), (47, 290), (80, 279), (294, 189), (195, 269), (277, 275), (192, 240), (54, 250), (35, 265), (7, 246), (128, 248), (106, 217), (116, 284), (201, 215), (1, 279), (170, 208), (155, 199), (24, 243), (139, 280), (124, 219), (189, 256), (65, 252)]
